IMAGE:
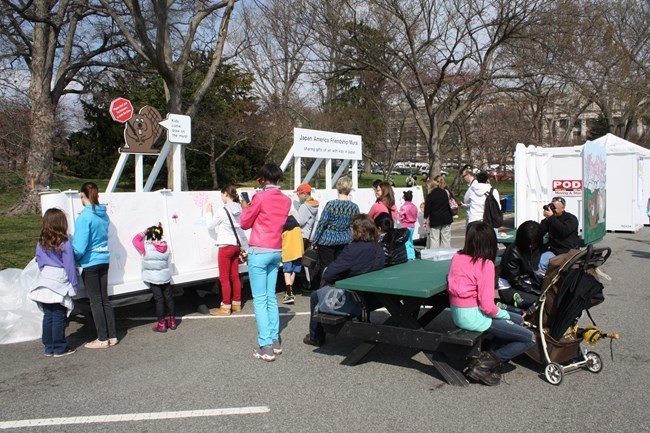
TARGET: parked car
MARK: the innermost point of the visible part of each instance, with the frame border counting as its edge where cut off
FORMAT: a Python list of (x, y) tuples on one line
[(501, 175)]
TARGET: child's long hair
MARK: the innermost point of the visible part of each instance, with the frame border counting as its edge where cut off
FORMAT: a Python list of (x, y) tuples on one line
[(480, 242), (384, 222), (55, 230)]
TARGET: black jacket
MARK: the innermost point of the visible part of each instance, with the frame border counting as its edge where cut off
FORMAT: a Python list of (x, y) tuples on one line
[(356, 258), (562, 232), (436, 208), (394, 245), (519, 270)]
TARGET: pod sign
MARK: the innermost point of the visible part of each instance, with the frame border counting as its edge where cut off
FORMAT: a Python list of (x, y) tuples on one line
[(567, 188)]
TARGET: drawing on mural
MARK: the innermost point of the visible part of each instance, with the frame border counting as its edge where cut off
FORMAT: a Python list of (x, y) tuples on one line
[(595, 164)]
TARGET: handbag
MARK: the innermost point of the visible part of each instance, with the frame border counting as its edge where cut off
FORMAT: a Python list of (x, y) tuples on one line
[(243, 254), (453, 206)]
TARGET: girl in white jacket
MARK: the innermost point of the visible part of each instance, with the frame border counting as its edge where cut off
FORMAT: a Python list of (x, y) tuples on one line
[(230, 240)]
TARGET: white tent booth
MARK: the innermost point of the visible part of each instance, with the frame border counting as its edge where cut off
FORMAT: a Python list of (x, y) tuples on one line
[(544, 172), (628, 183), (536, 169)]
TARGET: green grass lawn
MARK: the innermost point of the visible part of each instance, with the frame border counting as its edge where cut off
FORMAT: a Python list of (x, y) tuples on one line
[(18, 235)]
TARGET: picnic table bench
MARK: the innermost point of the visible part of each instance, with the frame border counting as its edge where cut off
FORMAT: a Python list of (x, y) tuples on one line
[(414, 294)]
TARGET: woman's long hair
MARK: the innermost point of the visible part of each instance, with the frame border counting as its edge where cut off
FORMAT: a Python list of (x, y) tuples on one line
[(91, 192), (442, 183), (387, 196), (54, 231), (231, 192), (364, 229), (480, 242)]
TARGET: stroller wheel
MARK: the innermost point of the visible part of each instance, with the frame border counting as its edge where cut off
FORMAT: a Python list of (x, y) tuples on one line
[(594, 362), (554, 373)]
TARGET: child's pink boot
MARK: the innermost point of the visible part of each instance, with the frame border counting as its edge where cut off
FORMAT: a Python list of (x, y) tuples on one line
[(171, 322), (161, 326)]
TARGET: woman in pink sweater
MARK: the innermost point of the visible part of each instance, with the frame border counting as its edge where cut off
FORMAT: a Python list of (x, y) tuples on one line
[(471, 296), (265, 216), (385, 203)]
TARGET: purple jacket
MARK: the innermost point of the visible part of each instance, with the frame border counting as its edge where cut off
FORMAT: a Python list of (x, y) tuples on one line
[(58, 259)]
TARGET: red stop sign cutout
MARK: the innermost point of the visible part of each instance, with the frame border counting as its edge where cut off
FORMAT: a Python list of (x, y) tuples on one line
[(121, 110)]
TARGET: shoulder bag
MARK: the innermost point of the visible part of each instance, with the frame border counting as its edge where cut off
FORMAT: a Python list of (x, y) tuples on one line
[(243, 254), (453, 206), (310, 256)]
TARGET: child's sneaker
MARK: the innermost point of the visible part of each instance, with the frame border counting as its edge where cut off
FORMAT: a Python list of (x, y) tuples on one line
[(288, 299), (277, 348), (160, 326), (265, 353), (171, 322)]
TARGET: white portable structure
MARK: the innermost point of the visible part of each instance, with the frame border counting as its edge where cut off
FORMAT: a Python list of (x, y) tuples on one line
[(627, 184), (193, 247), (535, 169)]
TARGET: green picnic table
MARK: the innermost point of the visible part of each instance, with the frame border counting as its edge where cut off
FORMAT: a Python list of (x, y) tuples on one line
[(413, 293), (506, 237)]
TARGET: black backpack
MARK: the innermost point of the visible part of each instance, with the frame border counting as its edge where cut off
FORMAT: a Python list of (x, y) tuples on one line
[(492, 213)]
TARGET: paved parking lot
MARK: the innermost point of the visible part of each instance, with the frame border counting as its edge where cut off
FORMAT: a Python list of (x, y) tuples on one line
[(203, 377)]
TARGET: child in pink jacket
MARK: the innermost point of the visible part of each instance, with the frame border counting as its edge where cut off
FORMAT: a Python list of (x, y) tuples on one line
[(408, 216), (471, 297)]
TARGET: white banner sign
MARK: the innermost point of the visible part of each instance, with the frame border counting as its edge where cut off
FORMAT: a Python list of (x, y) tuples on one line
[(310, 143), (179, 128)]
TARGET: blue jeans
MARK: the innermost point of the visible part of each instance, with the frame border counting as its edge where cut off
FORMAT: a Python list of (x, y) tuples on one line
[(410, 249), (543, 261), (316, 332), (54, 328), (263, 275), (518, 339)]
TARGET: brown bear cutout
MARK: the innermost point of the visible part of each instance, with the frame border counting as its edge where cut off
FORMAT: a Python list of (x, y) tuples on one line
[(142, 131)]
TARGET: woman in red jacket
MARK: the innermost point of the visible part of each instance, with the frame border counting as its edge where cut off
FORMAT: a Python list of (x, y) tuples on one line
[(265, 216)]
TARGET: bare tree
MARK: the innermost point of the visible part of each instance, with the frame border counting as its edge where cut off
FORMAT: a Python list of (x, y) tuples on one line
[(164, 33), (58, 42), (277, 51), (441, 53), (594, 52), (14, 133)]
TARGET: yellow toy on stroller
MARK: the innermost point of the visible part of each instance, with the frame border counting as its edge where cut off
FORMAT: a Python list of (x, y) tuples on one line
[(570, 287)]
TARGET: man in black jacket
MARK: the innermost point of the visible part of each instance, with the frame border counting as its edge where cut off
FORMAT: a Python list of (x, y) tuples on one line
[(562, 229)]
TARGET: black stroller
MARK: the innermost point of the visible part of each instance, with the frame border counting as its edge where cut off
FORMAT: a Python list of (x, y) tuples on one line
[(570, 287)]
